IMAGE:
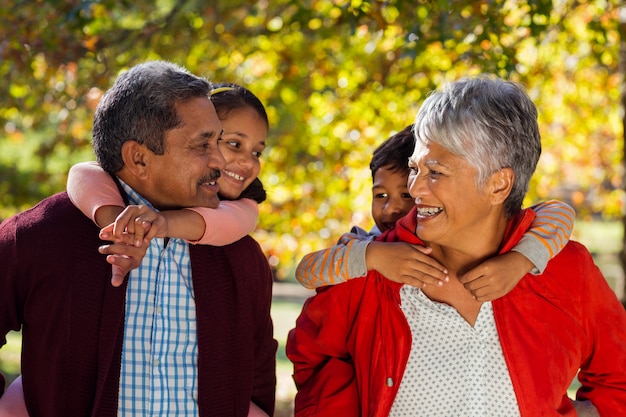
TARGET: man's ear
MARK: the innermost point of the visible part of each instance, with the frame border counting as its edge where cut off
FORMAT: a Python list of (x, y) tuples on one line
[(135, 157), (501, 184)]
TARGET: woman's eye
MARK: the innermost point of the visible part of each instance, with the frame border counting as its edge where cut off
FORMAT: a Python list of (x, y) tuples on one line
[(233, 143), (257, 154), (380, 195)]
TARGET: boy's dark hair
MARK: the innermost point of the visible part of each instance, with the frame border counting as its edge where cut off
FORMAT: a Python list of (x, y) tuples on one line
[(394, 152)]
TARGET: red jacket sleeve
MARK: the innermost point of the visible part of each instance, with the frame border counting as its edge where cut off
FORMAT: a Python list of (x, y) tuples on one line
[(603, 374), (323, 370)]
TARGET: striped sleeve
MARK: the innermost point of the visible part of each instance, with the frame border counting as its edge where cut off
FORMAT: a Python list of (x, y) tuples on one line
[(334, 265), (548, 234)]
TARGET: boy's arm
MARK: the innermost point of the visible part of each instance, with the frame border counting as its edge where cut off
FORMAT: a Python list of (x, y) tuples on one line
[(335, 265), (356, 254), (94, 192), (547, 235)]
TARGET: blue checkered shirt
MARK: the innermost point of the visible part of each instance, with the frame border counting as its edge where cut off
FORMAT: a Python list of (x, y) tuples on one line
[(160, 349)]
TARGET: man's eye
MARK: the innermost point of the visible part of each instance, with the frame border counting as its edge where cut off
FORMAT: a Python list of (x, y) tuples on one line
[(257, 154), (434, 174), (234, 144), (381, 195), (407, 195)]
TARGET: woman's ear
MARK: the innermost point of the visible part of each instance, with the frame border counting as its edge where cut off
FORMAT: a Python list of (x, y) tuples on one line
[(501, 184), (135, 157)]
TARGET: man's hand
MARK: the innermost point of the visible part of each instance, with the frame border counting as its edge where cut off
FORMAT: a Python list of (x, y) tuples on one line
[(131, 234), (405, 263), (123, 258)]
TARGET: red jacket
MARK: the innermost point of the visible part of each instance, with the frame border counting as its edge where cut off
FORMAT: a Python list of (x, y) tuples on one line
[(56, 286), (352, 339)]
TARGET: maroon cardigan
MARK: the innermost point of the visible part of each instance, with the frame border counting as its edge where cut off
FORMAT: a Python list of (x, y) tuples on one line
[(55, 286)]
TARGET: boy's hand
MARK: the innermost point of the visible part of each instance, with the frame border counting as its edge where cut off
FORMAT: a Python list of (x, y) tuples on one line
[(496, 276), (134, 225), (405, 263)]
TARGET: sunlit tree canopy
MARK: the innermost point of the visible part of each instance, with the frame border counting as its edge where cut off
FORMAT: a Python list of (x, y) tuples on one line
[(337, 78)]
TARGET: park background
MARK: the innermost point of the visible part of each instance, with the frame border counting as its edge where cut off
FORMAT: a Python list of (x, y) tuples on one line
[(337, 78)]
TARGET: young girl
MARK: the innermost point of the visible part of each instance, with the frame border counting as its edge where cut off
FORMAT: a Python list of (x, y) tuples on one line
[(245, 125)]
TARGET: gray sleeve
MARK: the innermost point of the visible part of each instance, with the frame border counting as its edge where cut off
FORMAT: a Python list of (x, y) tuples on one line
[(356, 259), (535, 251)]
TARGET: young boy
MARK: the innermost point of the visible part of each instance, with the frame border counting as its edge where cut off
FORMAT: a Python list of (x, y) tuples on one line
[(358, 251)]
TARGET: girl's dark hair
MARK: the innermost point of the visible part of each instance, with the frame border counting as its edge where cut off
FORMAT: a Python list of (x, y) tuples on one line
[(394, 152), (227, 97)]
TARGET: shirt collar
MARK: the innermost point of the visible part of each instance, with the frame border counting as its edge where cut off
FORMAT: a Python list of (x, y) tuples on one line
[(133, 196)]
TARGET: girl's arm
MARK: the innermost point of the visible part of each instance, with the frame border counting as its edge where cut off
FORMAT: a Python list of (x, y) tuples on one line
[(548, 234), (223, 225), (94, 192)]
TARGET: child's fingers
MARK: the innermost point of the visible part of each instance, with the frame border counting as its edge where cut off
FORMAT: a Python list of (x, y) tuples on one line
[(123, 223), (141, 227), (423, 274), (486, 294), (428, 260), (106, 232)]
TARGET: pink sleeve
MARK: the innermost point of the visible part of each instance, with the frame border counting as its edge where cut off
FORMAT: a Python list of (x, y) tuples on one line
[(90, 187), (255, 411), (229, 222)]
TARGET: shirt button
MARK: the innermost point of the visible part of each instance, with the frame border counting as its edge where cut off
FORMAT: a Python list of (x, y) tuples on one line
[(156, 362), (159, 310)]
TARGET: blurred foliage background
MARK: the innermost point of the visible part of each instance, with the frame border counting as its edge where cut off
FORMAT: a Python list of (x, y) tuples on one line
[(337, 77)]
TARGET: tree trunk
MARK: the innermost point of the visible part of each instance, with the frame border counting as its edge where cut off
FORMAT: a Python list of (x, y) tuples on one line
[(622, 69)]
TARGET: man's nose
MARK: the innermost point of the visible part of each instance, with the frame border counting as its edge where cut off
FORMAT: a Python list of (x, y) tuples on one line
[(216, 159)]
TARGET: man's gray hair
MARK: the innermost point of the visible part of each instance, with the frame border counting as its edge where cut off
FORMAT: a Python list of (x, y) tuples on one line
[(141, 106)]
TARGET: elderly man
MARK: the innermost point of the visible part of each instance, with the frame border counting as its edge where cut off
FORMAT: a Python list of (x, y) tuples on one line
[(189, 333), (373, 347)]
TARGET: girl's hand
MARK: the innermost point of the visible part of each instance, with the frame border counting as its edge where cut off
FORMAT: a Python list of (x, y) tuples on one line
[(135, 224)]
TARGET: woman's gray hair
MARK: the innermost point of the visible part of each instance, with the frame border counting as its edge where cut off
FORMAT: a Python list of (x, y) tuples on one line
[(141, 107), (491, 123)]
